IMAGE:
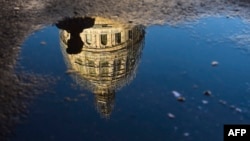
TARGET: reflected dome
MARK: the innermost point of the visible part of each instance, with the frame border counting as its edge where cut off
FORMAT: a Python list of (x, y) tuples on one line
[(108, 60)]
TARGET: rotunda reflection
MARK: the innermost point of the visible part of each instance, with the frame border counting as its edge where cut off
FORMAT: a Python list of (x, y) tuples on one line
[(107, 61)]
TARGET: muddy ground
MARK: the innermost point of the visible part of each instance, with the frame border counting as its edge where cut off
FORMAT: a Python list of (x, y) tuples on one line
[(19, 18)]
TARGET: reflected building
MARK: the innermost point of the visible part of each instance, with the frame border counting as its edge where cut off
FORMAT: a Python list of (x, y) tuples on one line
[(108, 60)]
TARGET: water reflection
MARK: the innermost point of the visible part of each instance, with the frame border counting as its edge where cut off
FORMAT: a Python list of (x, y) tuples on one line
[(108, 60), (75, 26)]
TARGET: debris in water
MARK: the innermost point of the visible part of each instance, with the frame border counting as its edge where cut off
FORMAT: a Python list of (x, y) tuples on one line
[(238, 110), (214, 63), (232, 107), (186, 134), (181, 99), (204, 101), (178, 96), (43, 43), (207, 93), (68, 99), (223, 102), (170, 115)]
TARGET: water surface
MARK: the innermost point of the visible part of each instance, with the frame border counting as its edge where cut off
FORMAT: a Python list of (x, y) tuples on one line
[(171, 58)]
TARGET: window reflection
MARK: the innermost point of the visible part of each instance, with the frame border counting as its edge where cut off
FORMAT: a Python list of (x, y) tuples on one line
[(117, 38), (104, 39), (88, 39)]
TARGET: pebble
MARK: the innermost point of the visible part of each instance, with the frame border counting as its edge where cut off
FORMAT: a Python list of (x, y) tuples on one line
[(204, 101), (170, 115), (223, 102), (43, 43), (67, 99), (181, 99), (178, 96), (214, 63), (16, 8), (186, 134), (232, 107), (207, 93), (238, 110)]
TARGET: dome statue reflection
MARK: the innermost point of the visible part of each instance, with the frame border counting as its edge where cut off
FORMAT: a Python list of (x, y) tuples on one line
[(108, 60)]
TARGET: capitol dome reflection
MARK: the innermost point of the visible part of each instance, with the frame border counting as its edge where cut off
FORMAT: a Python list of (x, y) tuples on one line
[(108, 60)]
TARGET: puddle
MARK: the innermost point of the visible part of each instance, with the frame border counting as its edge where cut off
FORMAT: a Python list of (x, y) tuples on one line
[(120, 81)]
